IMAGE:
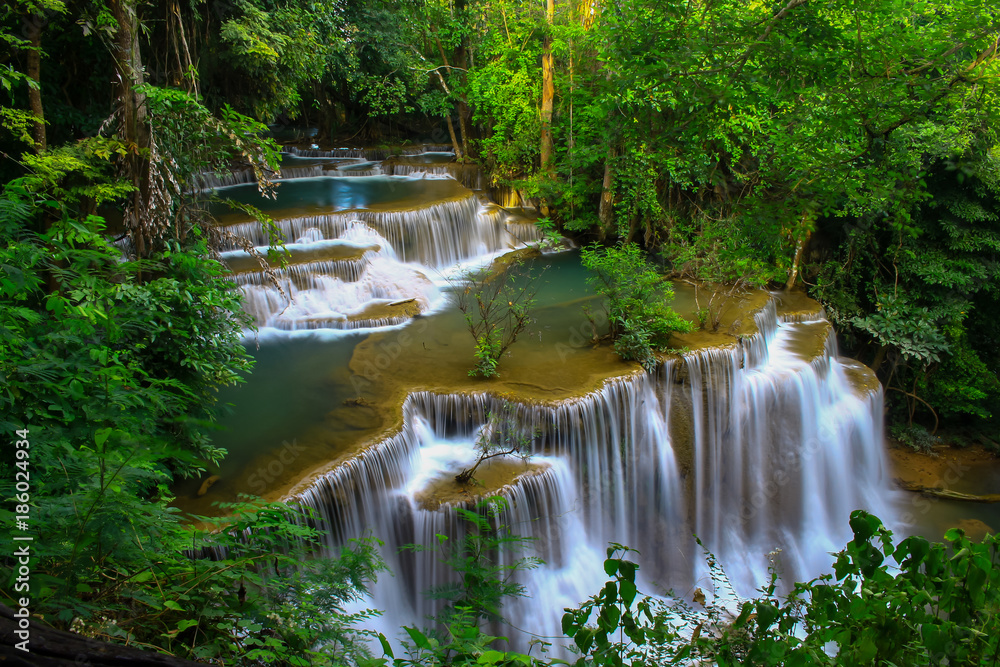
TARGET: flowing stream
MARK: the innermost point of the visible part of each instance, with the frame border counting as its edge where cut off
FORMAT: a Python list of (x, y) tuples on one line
[(760, 441)]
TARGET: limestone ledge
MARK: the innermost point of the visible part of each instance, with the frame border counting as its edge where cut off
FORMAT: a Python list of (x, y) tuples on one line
[(450, 192), (388, 366), (239, 261), (493, 478), (429, 363)]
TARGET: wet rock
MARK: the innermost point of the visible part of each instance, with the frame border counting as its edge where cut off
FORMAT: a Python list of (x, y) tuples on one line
[(207, 484), (975, 529)]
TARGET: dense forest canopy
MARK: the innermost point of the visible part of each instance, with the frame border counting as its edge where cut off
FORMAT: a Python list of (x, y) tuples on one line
[(848, 148)]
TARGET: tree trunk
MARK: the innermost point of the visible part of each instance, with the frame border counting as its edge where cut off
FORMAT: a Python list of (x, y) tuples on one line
[(459, 154), (57, 648), (800, 249), (464, 126), (548, 91), (134, 129), (606, 210), (189, 75), (33, 31), (455, 146), (461, 59), (463, 107)]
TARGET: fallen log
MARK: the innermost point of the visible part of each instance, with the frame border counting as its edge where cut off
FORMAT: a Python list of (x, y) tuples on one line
[(48, 646), (948, 494)]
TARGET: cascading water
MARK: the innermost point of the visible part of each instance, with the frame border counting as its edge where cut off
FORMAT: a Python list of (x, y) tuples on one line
[(765, 444), (327, 282), (212, 181), (293, 165), (369, 153), (468, 175), (761, 446), (784, 449)]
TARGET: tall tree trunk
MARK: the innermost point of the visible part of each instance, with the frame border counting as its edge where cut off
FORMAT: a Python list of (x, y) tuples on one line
[(800, 249), (33, 31), (455, 146), (464, 126), (606, 210), (134, 129), (188, 75), (548, 90), (459, 154), (461, 60), (463, 106)]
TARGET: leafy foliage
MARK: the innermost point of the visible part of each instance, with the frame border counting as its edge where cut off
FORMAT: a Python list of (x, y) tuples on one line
[(935, 604), (464, 644), (729, 135), (638, 300), (112, 366), (89, 345), (262, 598), (496, 302), (925, 300), (620, 633), (486, 559), (279, 49)]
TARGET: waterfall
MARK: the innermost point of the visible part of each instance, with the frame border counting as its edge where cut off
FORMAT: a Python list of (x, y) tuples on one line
[(369, 153), (359, 162), (760, 447), (308, 258), (210, 180), (360, 168), (763, 445), (422, 170), (311, 171), (470, 176), (438, 235), (784, 449), (365, 268)]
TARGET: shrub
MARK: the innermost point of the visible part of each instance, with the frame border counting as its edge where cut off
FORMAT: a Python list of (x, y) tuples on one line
[(496, 302), (908, 603), (501, 436), (637, 301)]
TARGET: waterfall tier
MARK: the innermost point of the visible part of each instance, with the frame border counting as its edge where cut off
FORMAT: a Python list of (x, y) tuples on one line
[(330, 282), (760, 440), (469, 175), (309, 163), (764, 445), (369, 153)]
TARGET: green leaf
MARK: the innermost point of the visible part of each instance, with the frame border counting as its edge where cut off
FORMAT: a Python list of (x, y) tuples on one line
[(628, 591), (386, 647), (419, 640), (185, 624), (101, 436)]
